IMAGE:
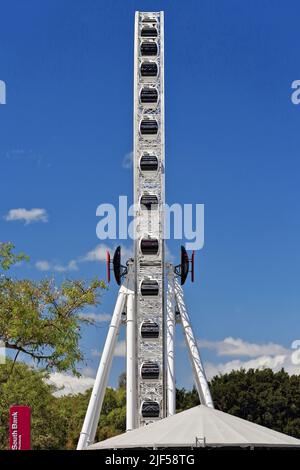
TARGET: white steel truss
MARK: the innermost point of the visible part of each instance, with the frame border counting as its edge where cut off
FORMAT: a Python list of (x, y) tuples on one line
[(198, 369), (149, 51), (125, 303), (91, 420), (150, 328)]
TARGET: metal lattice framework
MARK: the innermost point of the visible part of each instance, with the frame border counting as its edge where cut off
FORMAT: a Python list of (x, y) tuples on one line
[(149, 51), (151, 314)]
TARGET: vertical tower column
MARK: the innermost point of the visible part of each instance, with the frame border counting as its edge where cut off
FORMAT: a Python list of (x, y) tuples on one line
[(149, 198)]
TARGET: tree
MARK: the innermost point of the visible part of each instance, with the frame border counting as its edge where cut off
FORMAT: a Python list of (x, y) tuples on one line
[(122, 380), (8, 257), (262, 396), (113, 422), (72, 409), (186, 399), (268, 398), (27, 386), (113, 414), (42, 320)]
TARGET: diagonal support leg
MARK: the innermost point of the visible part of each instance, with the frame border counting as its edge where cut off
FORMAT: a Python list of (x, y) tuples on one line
[(130, 359), (171, 390), (199, 373), (91, 420)]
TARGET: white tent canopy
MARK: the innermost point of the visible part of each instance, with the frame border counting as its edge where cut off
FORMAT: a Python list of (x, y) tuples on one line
[(197, 427)]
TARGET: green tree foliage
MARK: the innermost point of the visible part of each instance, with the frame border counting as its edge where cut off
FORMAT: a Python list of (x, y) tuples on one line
[(122, 380), (73, 408), (56, 421), (261, 396), (42, 320), (8, 257), (113, 422), (268, 398), (113, 414), (26, 386), (186, 399)]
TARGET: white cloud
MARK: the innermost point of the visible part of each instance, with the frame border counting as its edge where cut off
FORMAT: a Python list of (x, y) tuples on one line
[(96, 254), (27, 215), (95, 353), (71, 266), (2, 353), (99, 253), (97, 317), (71, 385), (44, 265), (266, 355), (126, 252), (170, 258), (120, 350), (275, 363), (237, 347), (88, 372), (127, 160)]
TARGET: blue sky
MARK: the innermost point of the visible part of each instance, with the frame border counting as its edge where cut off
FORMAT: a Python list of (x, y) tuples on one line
[(231, 143)]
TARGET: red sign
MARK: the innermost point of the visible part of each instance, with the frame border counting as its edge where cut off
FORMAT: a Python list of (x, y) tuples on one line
[(19, 427)]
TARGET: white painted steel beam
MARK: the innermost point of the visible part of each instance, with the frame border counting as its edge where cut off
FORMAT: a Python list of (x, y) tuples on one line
[(171, 386), (89, 427), (199, 372), (130, 363)]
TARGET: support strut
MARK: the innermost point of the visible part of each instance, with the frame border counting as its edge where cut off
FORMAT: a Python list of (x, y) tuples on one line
[(91, 420), (199, 372)]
